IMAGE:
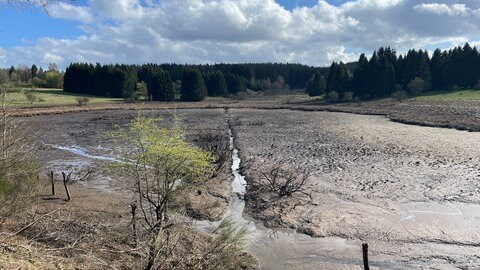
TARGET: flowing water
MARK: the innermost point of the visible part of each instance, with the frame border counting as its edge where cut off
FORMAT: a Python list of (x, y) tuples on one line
[(281, 249)]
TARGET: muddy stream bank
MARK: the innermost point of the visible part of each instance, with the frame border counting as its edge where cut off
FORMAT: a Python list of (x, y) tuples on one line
[(280, 248)]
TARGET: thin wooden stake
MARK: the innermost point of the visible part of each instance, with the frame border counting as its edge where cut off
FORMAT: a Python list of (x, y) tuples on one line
[(52, 183), (365, 256), (65, 180)]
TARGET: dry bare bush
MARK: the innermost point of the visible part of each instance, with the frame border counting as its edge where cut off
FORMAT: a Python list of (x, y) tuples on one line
[(275, 191), (285, 182), (216, 142), (19, 183)]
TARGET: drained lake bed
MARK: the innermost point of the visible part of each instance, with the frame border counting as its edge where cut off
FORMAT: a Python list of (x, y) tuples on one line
[(412, 193)]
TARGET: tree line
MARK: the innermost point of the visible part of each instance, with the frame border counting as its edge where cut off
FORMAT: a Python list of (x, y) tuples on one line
[(385, 74), (35, 76), (167, 82)]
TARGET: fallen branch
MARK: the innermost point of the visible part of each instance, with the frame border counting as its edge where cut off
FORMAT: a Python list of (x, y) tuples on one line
[(35, 221)]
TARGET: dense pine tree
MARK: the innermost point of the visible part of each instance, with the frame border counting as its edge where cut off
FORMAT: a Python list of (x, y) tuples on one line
[(338, 78), (159, 83), (193, 85), (216, 84), (316, 85), (360, 77)]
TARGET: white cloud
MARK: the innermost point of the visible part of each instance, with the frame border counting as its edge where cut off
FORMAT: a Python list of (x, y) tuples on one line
[(201, 31), (117, 9), (443, 9), (70, 12)]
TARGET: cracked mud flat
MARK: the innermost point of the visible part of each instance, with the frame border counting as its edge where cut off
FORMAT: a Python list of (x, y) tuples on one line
[(411, 192)]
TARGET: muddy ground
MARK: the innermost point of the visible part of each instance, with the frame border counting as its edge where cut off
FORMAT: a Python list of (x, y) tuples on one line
[(411, 192), (93, 230), (462, 115)]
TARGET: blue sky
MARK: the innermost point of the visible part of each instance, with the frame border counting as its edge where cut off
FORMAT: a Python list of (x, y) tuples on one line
[(24, 26), (313, 32)]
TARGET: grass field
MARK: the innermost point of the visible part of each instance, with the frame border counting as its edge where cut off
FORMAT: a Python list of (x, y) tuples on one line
[(52, 97), (450, 96)]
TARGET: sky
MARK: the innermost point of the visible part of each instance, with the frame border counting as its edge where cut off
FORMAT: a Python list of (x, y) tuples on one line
[(312, 32)]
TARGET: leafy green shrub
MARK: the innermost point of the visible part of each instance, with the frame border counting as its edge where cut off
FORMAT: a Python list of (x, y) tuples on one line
[(333, 96), (82, 101), (416, 86), (399, 95), (31, 97)]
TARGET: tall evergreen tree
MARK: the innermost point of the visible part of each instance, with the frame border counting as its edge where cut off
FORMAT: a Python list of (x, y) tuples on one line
[(360, 77), (437, 66), (386, 77), (235, 83), (316, 85), (338, 79), (160, 86), (216, 84), (34, 71), (193, 85)]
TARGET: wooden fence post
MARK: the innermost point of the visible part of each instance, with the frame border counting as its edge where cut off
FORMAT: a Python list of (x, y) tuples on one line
[(66, 178), (52, 183), (365, 256)]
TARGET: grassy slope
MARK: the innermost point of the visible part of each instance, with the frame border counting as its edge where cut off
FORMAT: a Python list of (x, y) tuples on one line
[(450, 96), (52, 97)]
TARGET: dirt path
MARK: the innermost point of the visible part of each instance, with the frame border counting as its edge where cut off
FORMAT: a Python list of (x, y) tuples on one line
[(412, 192)]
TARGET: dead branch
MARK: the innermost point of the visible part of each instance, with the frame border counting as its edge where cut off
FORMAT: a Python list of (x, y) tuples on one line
[(35, 221)]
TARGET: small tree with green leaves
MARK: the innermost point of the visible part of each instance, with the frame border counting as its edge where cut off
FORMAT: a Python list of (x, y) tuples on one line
[(163, 166), (333, 96), (416, 86), (82, 101), (31, 97)]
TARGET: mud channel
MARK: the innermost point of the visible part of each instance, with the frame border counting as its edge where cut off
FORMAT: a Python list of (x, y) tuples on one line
[(411, 192)]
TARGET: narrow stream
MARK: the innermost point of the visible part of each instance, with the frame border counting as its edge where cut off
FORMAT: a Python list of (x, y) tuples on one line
[(282, 249), (77, 150)]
